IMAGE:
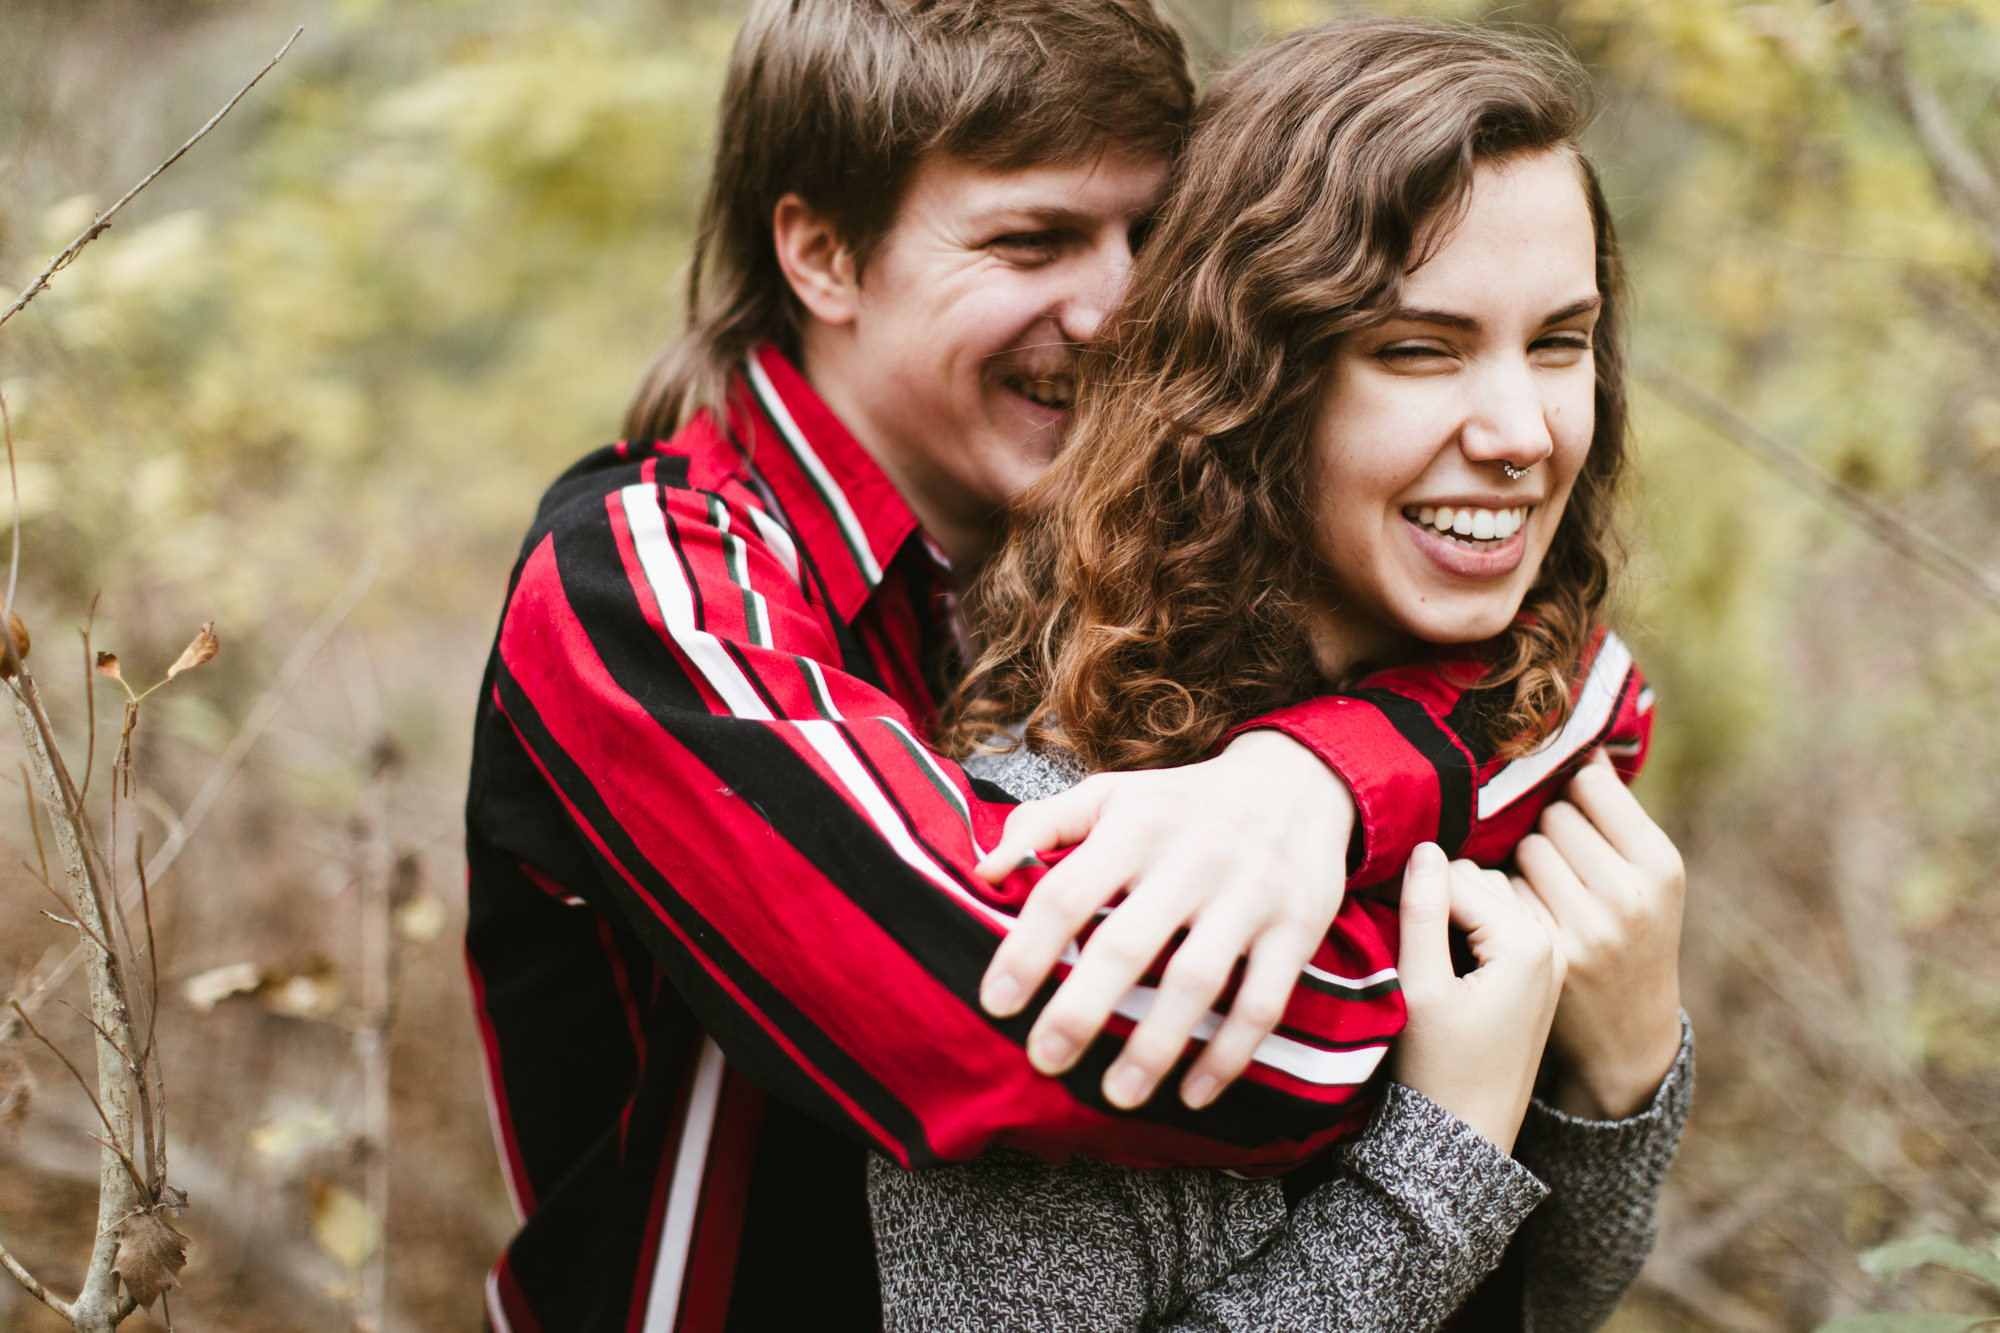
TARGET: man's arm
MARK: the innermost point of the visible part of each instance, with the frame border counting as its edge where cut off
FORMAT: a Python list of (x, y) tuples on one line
[(800, 866), (1407, 748)]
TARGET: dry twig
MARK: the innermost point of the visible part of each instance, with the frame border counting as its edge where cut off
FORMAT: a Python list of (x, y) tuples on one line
[(1871, 515), (102, 222)]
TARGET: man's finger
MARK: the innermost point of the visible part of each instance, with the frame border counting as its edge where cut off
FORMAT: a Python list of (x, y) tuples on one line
[(1054, 821), (1189, 988), (1113, 960), (1276, 960), (1057, 911)]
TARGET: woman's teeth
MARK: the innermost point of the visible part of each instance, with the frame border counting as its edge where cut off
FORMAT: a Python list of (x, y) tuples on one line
[(1468, 523)]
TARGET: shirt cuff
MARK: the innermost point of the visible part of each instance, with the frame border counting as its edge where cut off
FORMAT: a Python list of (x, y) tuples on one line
[(1395, 787)]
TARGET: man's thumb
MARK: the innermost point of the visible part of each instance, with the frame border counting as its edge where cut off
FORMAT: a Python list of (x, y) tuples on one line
[(1425, 957)]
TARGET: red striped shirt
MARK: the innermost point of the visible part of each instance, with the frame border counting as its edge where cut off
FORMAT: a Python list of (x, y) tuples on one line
[(711, 859)]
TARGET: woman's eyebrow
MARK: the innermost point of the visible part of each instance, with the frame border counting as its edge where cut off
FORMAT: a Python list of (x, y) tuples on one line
[(1575, 308), (1467, 324)]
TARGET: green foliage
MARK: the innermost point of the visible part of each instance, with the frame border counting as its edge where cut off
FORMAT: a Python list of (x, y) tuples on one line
[(1889, 1262)]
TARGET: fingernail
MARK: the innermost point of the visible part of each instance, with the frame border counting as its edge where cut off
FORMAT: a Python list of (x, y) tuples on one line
[(1028, 862), (1428, 859), (1001, 996), (1050, 1052), (1123, 1086), (1200, 1091)]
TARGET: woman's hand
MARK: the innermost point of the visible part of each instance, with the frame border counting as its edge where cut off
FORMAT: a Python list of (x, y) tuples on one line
[(1474, 1042), (1610, 886), (1247, 852)]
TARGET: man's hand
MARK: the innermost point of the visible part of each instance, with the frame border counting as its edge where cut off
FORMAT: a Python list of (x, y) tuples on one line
[(1610, 887), (1247, 852)]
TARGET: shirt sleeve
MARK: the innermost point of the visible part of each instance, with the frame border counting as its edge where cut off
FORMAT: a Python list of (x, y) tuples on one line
[(799, 865), (1407, 746), (1585, 1245)]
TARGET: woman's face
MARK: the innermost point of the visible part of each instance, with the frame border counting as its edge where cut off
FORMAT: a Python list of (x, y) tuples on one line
[(1486, 364)]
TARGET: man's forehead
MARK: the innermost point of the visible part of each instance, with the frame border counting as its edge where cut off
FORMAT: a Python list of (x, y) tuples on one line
[(1113, 181)]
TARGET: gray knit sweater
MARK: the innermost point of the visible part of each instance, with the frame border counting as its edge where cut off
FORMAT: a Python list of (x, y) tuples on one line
[(1419, 1209)]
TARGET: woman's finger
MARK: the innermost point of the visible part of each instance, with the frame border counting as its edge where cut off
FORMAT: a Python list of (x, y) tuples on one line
[(1611, 807), (1525, 894), (1555, 883), (1596, 862), (1276, 960), (1424, 958)]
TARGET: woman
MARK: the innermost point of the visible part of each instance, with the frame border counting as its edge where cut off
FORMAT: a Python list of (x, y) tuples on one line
[(1363, 408)]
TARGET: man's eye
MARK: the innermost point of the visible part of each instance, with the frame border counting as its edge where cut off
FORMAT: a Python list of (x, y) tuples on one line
[(1026, 244)]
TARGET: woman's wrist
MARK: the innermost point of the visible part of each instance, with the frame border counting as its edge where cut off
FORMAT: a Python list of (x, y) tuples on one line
[(1616, 1085)]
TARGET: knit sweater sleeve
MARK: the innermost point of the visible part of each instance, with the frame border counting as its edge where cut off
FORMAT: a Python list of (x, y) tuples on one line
[(1421, 1209), (1585, 1245)]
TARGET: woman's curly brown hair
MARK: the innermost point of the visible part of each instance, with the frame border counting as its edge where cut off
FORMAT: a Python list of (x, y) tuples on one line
[(1160, 581)]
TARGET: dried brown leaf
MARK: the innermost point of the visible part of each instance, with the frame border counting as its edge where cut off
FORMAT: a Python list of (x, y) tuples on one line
[(17, 1094), (200, 649), (19, 632), (107, 667), (207, 989), (150, 1256)]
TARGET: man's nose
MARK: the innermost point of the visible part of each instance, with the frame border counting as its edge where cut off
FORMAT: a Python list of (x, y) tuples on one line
[(1508, 421), (1102, 274)]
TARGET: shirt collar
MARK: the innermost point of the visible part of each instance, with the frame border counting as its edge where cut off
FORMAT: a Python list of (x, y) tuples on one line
[(839, 502)]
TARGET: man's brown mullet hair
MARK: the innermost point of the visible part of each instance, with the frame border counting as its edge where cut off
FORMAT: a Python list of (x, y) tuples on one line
[(1162, 579), (838, 100)]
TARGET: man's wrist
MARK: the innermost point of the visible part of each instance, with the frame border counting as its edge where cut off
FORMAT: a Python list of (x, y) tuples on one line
[(1269, 746)]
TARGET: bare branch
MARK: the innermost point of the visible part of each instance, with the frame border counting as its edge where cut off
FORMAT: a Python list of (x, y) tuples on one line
[(14, 490), (1869, 514), (260, 717), (1968, 179), (35, 1289), (88, 1091), (89, 697), (102, 222)]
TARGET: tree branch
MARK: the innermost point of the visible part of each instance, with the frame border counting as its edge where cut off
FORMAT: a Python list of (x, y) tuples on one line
[(102, 222), (1966, 176), (260, 717), (1869, 514), (35, 1289)]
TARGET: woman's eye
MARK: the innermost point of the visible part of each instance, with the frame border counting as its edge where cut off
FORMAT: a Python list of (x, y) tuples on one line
[(1412, 354), (1564, 349)]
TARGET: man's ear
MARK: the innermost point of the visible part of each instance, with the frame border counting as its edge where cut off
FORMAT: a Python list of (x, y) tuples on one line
[(816, 261)]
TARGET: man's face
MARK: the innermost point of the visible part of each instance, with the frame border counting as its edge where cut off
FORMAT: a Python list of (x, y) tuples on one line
[(959, 363)]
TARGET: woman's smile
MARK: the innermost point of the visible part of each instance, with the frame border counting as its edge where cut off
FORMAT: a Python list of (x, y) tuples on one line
[(1472, 541)]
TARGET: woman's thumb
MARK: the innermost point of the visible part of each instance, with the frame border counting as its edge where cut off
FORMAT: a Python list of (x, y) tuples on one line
[(1425, 957)]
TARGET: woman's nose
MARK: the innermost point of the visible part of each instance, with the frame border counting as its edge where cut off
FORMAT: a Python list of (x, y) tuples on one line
[(1509, 421)]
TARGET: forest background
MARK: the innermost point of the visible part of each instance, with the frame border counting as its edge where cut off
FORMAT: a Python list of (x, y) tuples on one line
[(312, 382)]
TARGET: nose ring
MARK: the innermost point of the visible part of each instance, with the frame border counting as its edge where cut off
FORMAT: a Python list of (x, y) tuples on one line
[(1512, 472)]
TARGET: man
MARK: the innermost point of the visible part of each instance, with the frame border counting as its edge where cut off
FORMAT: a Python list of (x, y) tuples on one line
[(729, 915)]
